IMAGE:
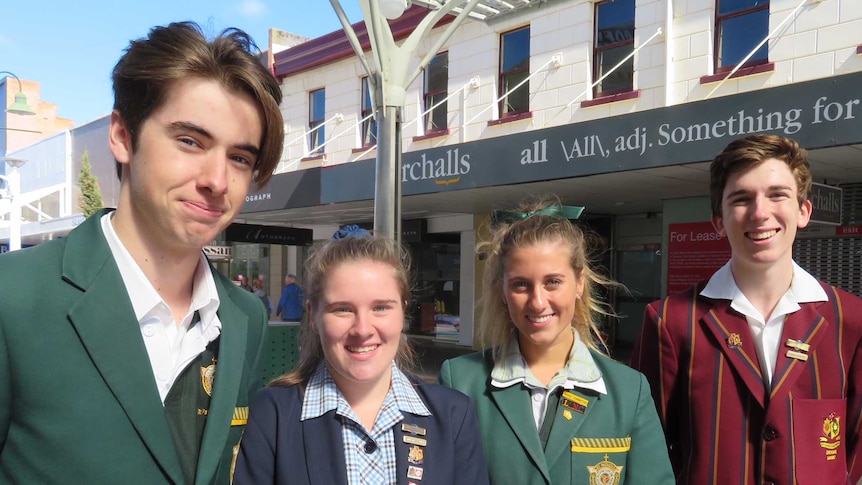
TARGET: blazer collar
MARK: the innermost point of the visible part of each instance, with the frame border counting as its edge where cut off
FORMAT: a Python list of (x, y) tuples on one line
[(106, 325), (514, 404), (324, 449), (733, 334), (229, 370)]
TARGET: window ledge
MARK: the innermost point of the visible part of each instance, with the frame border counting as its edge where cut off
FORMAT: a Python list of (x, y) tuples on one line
[(612, 98), (367, 148), (514, 117), (433, 134), (314, 157), (745, 71)]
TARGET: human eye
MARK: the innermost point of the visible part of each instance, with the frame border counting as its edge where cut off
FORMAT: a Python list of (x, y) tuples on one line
[(519, 286), (554, 282), (243, 160), (188, 141)]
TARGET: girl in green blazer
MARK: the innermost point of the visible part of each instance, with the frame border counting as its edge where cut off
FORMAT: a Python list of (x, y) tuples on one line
[(552, 407)]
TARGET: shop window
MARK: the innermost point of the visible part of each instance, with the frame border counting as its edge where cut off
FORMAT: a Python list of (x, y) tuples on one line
[(514, 69), (740, 25), (369, 126), (436, 310), (316, 119), (436, 88), (614, 40)]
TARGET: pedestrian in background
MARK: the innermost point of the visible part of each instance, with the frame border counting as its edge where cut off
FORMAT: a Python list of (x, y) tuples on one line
[(290, 304), (552, 407), (261, 293), (351, 413), (757, 372), (124, 356)]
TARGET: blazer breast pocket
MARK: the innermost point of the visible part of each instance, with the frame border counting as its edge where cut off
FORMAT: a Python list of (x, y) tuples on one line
[(819, 441), (599, 460)]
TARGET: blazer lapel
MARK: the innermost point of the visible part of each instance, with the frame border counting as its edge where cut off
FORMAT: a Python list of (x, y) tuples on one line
[(514, 405), (231, 358), (733, 335), (566, 425), (807, 326), (403, 461), (106, 325), (324, 449)]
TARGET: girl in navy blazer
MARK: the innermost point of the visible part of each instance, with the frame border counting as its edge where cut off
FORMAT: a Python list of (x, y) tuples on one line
[(348, 414)]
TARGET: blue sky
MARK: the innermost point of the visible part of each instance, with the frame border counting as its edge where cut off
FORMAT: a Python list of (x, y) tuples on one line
[(70, 47)]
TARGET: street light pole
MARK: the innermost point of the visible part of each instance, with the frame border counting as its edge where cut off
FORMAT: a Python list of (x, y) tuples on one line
[(389, 79), (13, 179)]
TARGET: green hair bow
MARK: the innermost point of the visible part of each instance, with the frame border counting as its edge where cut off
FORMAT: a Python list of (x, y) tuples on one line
[(562, 211)]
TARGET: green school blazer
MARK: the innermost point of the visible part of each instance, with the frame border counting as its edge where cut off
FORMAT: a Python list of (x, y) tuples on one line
[(78, 401), (613, 438)]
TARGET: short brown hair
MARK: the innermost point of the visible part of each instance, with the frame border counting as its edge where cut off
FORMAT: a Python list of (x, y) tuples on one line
[(151, 66), (748, 152), (318, 268)]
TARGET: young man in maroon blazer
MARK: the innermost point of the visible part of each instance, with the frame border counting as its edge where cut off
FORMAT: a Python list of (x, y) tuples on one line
[(757, 372)]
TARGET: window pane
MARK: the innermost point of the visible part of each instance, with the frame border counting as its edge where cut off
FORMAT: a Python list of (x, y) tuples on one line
[(437, 74), (519, 100), (516, 50), (317, 137), (615, 22), (730, 6), (623, 78), (366, 95), (317, 108), (369, 132), (436, 119), (739, 35)]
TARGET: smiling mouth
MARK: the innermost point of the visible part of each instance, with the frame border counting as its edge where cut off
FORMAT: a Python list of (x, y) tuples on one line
[(759, 236), (361, 350), (542, 319)]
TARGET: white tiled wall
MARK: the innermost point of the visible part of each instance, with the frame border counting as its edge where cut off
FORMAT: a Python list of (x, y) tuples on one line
[(819, 40)]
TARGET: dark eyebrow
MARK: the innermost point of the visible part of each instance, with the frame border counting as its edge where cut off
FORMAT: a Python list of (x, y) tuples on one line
[(180, 126)]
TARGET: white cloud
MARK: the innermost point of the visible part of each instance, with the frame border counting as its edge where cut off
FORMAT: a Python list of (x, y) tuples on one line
[(252, 8)]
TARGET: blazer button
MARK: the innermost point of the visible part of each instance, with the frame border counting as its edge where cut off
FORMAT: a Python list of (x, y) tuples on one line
[(770, 433), (370, 447)]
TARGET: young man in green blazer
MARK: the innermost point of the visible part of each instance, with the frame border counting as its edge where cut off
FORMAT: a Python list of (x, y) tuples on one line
[(124, 357)]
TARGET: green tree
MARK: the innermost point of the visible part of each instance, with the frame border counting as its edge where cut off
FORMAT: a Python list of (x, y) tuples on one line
[(91, 196)]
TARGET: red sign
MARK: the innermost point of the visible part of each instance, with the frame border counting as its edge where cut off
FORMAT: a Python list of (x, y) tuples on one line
[(694, 252)]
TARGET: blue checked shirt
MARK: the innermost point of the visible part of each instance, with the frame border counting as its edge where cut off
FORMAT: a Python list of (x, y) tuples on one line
[(364, 468)]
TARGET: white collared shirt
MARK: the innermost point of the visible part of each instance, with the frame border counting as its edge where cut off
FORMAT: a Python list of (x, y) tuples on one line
[(804, 288), (580, 371), (170, 347)]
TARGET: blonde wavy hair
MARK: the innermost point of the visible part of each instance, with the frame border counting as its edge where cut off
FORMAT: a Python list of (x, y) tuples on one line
[(495, 325)]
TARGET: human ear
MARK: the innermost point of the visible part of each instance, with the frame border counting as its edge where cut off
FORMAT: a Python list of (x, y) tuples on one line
[(119, 138)]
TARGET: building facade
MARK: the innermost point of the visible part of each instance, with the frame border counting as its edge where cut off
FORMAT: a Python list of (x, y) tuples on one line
[(616, 105)]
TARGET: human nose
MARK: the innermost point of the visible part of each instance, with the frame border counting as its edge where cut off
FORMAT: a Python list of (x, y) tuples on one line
[(760, 208), (361, 324), (213, 175), (538, 298)]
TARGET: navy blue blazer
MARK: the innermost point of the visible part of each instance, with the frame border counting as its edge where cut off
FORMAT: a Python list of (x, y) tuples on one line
[(278, 448)]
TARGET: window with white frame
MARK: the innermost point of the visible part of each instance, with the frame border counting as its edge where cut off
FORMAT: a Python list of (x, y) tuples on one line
[(514, 69), (614, 40), (316, 120), (436, 89), (739, 26), (368, 130)]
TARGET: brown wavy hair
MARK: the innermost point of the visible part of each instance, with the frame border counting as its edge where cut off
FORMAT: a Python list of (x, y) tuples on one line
[(151, 66)]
